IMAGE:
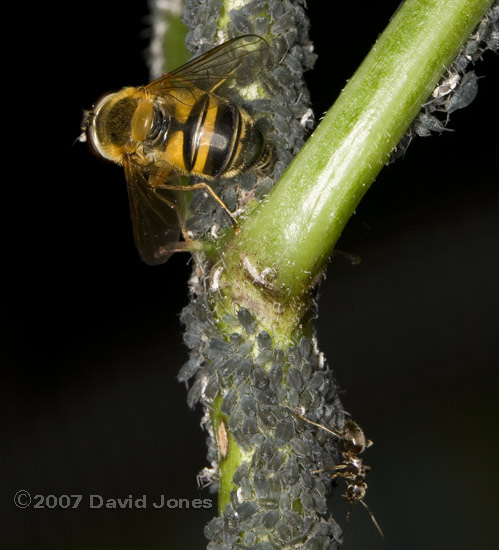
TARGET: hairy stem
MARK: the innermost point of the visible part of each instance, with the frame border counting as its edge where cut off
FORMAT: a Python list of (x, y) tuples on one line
[(253, 352), (294, 231), (272, 265)]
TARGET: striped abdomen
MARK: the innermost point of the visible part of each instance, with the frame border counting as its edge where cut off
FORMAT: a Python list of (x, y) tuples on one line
[(218, 139)]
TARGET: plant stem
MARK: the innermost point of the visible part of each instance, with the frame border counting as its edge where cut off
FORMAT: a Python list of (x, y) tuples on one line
[(293, 232), (168, 50), (254, 358), (273, 263)]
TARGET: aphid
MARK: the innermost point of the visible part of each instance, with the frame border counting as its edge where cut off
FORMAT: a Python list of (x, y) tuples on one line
[(294, 379), (276, 461), (240, 21), (264, 357), (241, 439), (247, 321), (248, 405), (246, 509), (447, 86), (284, 432), (264, 341), (242, 371), (270, 519), (261, 484), (267, 449), (299, 447), (425, 124), (289, 473), (464, 94), (352, 469), (229, 401), (241, 473), (188, 370), (304, 347), (181, 124), (249, 427)]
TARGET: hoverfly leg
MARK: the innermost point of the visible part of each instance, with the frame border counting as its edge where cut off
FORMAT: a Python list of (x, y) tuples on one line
[(182, 246), (209, 190), (178, 211)]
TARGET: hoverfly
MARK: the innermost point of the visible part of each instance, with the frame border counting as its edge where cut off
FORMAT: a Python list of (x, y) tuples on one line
[(181, 124)]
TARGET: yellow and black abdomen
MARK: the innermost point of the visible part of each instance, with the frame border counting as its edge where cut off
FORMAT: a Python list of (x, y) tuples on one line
[(211, 138), (219, 139)]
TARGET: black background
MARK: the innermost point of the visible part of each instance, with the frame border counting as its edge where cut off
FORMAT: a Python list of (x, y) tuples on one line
[(90, 404)]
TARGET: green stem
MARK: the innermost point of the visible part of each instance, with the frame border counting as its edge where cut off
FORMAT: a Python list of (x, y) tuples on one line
[(231, 461), (284, 245), (168, 50), (273, 263)]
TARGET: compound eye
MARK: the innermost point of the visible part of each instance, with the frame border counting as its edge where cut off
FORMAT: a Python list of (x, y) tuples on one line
[(109, 131), (95, 127)]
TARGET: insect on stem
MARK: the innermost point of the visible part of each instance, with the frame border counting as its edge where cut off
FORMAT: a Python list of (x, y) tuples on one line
[(352, 469), (185, 123)]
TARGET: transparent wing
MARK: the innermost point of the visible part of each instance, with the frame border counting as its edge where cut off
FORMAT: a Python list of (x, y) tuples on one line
[(234, 61), (157, 214)]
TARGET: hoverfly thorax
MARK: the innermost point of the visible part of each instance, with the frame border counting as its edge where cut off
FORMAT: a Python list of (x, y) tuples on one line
[(142, 120)]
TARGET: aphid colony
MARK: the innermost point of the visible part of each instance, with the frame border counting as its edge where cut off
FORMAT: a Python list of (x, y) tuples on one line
[(264, 391), (458, 87)]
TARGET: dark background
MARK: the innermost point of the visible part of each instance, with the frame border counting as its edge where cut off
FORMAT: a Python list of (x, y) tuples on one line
[(90, 404)]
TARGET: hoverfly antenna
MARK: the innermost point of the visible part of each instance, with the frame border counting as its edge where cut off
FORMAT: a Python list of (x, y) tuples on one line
[(82, 138), (85, 123)]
